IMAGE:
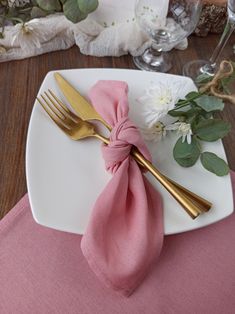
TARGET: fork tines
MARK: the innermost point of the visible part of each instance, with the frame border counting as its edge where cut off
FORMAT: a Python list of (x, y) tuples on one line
[(57, 111)]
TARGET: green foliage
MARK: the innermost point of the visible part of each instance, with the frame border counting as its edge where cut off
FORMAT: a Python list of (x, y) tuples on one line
[(214, 164), (210, 103), (186, 154), (77, 10), (87, 6), (198, 110), (203, 79), (36, 12), (192, 95), (228, 82), (49, 5), (225, 83), (212, 129), (74, 10)]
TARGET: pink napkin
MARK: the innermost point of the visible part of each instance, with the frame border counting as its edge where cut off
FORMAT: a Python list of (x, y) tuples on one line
[(125, 233), (43, 271)]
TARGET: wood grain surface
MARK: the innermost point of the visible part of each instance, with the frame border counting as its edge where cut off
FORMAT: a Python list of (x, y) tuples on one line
[(19, 84)]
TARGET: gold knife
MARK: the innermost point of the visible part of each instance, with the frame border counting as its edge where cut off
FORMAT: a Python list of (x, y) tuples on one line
[(81, 106), (87, 112)]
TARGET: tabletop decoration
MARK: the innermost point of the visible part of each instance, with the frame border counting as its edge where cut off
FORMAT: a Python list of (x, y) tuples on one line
[(213, 17), (84, 158), (34, 27), (194, 118), (110, 30), (21, 11)]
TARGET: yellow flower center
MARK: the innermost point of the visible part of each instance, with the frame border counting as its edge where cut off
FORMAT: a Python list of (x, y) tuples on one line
[(163, 99), (159, 127), (27, 30)]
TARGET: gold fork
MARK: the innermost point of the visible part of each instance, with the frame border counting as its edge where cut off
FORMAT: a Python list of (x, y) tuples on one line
[(77, 129)]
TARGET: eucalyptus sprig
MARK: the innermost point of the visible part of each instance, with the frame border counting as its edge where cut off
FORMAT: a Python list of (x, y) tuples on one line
[(74, 10), (199, 110)]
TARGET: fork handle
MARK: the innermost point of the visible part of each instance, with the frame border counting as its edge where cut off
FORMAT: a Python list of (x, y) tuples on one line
[(201, 202), (186, 198), (182, 195)]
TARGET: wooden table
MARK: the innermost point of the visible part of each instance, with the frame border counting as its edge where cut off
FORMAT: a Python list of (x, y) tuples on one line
[(19, 84)]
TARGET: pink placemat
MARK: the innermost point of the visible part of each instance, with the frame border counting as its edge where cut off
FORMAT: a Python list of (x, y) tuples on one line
[(43, 271)]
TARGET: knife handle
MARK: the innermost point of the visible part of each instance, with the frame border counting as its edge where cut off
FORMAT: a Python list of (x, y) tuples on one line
[(201, 202), (192, 203)]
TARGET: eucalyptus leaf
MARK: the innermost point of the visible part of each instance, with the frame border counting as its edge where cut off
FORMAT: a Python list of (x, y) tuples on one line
[(193, 119), (192, 95), (186, 154), (210, 103), (206, 115), (37, 12), (186, 113), (88, 6), (211, 130), (179, 102), (193, 111), (213, 163), (72, 11), (12, 12), (226, 83), (177, 113), (203, 79), (49, 5)]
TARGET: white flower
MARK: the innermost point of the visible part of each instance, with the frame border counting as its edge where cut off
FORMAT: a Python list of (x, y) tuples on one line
[(157, 101), (183, 129), (28, 35), (154, 133)]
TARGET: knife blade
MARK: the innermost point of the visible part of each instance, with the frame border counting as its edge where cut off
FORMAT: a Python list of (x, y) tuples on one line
[(81, 106)]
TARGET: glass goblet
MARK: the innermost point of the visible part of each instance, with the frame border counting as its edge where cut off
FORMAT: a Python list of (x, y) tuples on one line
[(197, 67), (167, 23)]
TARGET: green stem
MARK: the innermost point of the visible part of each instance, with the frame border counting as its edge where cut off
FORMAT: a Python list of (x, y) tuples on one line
[(186, 102), (17, 19), (3, 26), (25, 10)]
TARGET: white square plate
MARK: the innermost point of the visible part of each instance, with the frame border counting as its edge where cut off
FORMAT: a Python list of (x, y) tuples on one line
[(65, 177)]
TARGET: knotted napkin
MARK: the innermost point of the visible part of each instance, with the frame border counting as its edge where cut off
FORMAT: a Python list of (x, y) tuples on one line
[(125, 233)]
